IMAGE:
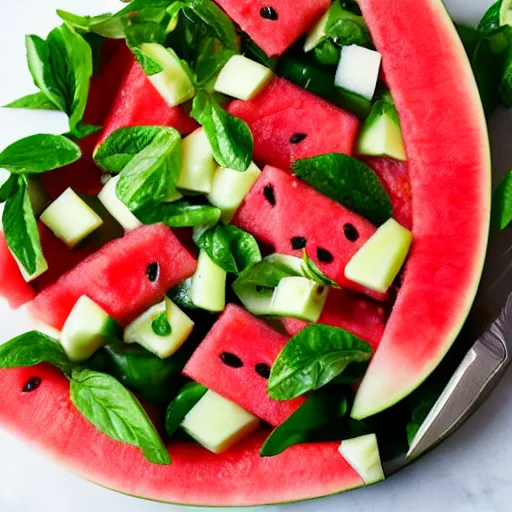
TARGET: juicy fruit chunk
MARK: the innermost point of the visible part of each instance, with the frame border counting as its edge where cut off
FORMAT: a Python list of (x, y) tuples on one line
[(124, 278), (358, 70), (288, 123), (142, 329), (378, 262), (238, 336), (173, 82), (208, 289), (242, 78), (218, 424), (362, 453), (277, 24), (70, 219), (87, 328)]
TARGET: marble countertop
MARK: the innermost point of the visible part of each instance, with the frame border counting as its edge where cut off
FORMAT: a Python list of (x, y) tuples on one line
[(469, 472)]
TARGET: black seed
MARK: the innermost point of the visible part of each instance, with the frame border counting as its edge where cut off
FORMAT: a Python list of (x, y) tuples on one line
[(351, 233), (298, 242), (269, 13), (32, 384), (263, 370), (298, 137), (324, 255), (268, 192), (153, 271), (231, 360)]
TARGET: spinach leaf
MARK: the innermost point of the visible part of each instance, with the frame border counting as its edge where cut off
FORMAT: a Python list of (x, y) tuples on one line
[(347, 181), (346, 28), (37, 101), (187, 398), (230, 248), (33, 348), (178, 215), (313, 358), (181, 295), (39, 153), (502, 203), (113, 410), (311, 271), (230, 137)]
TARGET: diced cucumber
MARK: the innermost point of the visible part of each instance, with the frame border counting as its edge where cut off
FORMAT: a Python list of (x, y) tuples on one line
[(144, 332), (506, 12), (70, 218), (299, 297), (243, 78), (208, 289), (173, 82), (378, 262), (230, 187), (256, 299), (87, 328), (317, 34), (217, 423), (289, 262), (358, 70), (41, 268), (362, 453), (197, 163)]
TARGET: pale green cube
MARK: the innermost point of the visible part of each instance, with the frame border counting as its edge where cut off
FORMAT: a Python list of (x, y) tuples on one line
[(362, 453), (317, 34), (208, 290)]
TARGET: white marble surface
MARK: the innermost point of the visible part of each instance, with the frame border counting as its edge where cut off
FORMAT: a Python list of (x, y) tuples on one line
[(469, 472)]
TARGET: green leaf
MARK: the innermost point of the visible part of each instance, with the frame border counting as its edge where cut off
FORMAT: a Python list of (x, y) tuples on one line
[(114, 411), (491, 19), (349, 182), (181, 295), (470, 37), (230, 137), (346, 28), (502, 203), (37, 101), (211, 59), (160, 325), (255, 52), (178, 215), (33, 348), (84, 130), (39, 153), (313, 358), (186, 399), (105, 25), (8, 188), (311, 271), (230, 248)]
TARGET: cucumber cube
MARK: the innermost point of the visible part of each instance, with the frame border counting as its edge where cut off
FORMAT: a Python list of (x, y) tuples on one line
[(173, 82), (358, 70), (317, 34), (208, 290), (116, 207), (378, 262), (299, 297), (243, 78), (362, 453), (197, 163), (217, 423), (70, 219), (291, 263), (230, 187), (87, 328), (142, 330)]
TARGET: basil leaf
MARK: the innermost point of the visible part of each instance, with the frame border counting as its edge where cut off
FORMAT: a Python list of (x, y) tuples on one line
[(230, 137), (491, 19), (349, 182), (8, 188), (39, 153), (311, 271), (313, 358), (502, 203), (186, 399), (346, 28), (178, 215), (211, 59), (33, 348), (114, 411), (20, 228), (230, 248), (181, 294), (105, 25), (37, 101)]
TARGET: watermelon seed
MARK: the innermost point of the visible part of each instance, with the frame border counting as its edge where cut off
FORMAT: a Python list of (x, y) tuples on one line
[(324, 255), (269, 13), (351, 233), (231, 360), (263, 370), (32, 384), (298, 242), (153, 271), (268, 192), (298, 137)]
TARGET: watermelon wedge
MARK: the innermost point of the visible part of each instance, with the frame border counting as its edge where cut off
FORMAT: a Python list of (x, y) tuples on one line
[(451, 193)]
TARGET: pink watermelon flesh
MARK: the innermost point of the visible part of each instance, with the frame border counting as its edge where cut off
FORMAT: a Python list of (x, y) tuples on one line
[(254, 342), (116, 277), (289, 20), (449, 168), (284, 111)]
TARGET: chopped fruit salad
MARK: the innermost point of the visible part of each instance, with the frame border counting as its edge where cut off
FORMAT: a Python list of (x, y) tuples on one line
[(251, 242)]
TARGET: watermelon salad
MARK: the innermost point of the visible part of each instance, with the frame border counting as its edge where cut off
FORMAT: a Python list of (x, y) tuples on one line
[(261, 233)]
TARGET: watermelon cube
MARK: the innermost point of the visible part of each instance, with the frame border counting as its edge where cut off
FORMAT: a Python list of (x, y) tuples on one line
[(275, 24), (234, 360)]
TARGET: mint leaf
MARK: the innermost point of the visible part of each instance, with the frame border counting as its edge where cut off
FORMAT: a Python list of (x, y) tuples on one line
[(36, 101), (115, 412), (230, 137), (33, 348), (347, 181), (502, 203), (313, 358), (211, 59), (8, 188), (84, 130), (346, 28), (178, 215), (255, 52), (105, 25), (491, 19), (39, 153), (160, 325), (311, 271), (186, 399)]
